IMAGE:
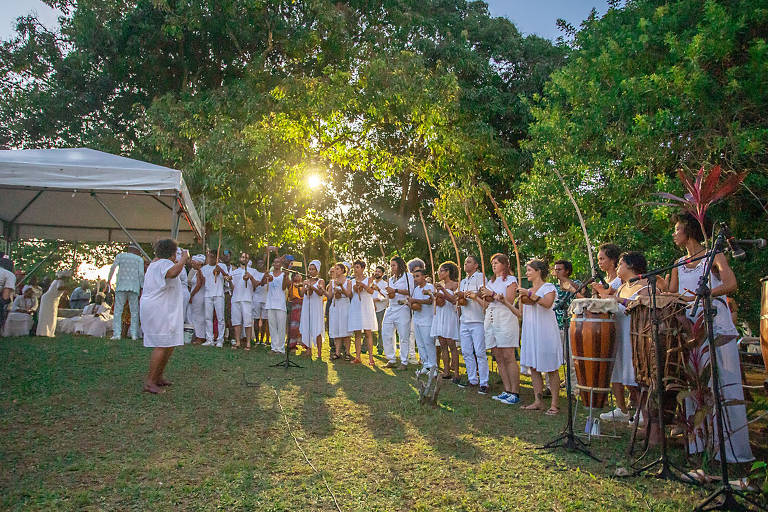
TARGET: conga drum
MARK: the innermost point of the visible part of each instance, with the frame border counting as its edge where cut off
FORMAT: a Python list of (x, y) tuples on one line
[(764, 320), (593, 339)]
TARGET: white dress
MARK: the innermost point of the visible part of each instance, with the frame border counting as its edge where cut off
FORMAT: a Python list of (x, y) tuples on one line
[(94, 321), (161, 309), (18, 322), (362, 311), (195, 310), (623, 367), (728, 363), (446, 321), (502, 327), (541, 346), (49, 306), (338, 315), (312, 321)]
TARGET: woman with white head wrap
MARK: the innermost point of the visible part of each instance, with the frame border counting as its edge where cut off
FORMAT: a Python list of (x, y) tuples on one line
[(312, 321), (49, 303), (338, 314), (195, 304), (19, 320)]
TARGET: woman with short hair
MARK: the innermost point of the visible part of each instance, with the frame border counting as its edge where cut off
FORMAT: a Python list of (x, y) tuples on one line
[(161, 310)]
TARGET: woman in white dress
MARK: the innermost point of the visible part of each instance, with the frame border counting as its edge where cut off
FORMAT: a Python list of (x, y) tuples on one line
[(95, 318), (19, 320), (688, 236), (362, 312), (502, 328), (312, 311), (541, 349), (445, 326), (162, 310), (196, 306), (338, 315), (49, 303), (631, 264)]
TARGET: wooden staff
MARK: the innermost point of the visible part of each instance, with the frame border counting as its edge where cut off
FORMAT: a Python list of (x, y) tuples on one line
[(509, 231), (378, 239), (429, 245), (453, 238), (477, 237), (218, 250), (581, 219)]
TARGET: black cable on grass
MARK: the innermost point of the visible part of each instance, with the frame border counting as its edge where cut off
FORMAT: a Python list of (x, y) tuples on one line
[(290, 431)]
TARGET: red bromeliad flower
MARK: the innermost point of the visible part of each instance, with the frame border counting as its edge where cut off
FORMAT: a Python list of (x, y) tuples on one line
[(703, 192)]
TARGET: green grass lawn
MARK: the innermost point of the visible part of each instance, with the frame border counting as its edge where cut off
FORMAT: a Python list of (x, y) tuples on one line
[(78, 433)]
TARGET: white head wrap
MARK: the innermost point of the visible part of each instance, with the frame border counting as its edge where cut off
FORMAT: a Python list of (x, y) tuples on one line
[(316, 263), (198, 258), (24, 290), (348, 265)]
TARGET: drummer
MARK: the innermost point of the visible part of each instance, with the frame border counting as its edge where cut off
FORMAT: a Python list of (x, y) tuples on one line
[(631, 264), (608, 261), (688, 236)]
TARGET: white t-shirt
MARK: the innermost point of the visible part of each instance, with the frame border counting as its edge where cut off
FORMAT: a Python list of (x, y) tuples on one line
[(404, 282), (472, 312), (380, 299), (213, 287), (7, 279), (276, 294), (242, 291), (615, 284), (260, 293), (500, 285), (427, 312)]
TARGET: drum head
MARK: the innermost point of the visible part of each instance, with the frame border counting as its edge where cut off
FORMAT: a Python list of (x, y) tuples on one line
[(578, 306)]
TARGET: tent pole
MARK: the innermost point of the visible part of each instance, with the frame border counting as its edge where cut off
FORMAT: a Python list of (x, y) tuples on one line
[(175, 218), (128, 234)]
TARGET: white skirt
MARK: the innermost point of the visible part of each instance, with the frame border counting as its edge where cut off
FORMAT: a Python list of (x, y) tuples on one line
[(362, 313), (446, 322), (502, 329), (338, 318), (623, 368), (17, 324)]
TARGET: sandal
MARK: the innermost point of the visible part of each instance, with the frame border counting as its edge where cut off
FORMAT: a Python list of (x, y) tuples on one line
[(334, 356), (347, 357), (356, 361), (371, 362), (553, 411)]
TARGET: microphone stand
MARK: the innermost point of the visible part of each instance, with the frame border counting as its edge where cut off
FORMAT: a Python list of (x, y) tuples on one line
[(286, 363), (725, 490), (567, 438)]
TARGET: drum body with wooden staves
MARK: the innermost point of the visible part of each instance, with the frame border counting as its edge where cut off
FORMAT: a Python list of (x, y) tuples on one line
[(593, 338), (674, 331)]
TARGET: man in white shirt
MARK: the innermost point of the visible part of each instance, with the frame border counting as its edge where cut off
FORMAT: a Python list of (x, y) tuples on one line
[(7, 285), (277, 281), (398, 314), (243, 283), (471, 329), (380, 302), (130, 278), (422, 319), (259, 299), (214, 273)]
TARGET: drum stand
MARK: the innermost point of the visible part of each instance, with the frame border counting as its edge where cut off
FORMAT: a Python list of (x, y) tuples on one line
[(567, 439), (666, 468)]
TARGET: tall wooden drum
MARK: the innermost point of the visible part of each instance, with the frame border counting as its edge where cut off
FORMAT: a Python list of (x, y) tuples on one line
[(593, 339), (764, 320)]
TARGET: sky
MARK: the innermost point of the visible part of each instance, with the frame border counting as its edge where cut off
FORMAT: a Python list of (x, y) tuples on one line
[(531, 17)]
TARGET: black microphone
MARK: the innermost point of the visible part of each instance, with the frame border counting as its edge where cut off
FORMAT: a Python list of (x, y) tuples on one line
[(733, 244), (758, 243)]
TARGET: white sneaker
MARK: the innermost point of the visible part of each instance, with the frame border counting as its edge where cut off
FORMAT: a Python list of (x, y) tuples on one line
[(640, 422), (615, 415), (207, 344), (219, 344), (115, 338)]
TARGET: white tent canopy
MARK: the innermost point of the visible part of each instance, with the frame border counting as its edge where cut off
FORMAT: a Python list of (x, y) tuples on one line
[(86, 195)]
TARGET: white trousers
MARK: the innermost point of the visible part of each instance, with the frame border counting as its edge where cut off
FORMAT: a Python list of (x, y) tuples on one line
[(196, 314), (276, 318), (396, 319), (472, 339), (426, 344), (214, 304), (117, 321)]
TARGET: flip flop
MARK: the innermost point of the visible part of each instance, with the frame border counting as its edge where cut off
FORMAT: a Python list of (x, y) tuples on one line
[(552, 411)]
